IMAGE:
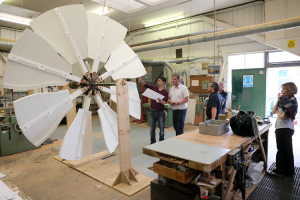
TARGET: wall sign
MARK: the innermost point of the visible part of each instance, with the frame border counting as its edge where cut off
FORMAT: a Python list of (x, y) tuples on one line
[(291, 44), (248, 81), (148, 76), (195, 82), (178, 53), (205, 65)]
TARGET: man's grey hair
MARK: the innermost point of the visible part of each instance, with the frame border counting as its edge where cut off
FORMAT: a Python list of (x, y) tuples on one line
[(177, 75), (222, 83), (215, 86)]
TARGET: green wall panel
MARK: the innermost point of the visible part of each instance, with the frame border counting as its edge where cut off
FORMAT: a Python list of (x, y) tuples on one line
[(250, 98)]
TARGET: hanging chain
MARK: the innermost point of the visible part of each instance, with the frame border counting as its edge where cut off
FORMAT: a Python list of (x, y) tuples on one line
[(129, 18), (103, 8), (214, 32)]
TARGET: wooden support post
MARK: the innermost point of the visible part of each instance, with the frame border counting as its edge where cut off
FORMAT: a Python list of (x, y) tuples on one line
[(126, 172), (223, 180), (261, 147), (230, 182)]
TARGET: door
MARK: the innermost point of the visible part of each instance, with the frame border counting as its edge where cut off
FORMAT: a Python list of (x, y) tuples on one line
[(249, 90)]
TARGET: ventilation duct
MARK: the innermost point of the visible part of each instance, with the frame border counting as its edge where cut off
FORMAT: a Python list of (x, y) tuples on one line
[(166, 62), (238, 32), (6, 44)]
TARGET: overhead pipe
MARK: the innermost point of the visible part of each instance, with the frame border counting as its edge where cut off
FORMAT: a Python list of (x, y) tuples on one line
[(166, 62), (237, 32), (131, 36), (158, 61), (6, 44)]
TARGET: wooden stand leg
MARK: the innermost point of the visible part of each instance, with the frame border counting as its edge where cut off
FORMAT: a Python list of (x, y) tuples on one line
[(261, 147), (223, 181), (230, 182), (126, 172)]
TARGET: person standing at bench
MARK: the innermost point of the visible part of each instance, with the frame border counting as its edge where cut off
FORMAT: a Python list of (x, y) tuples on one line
[(224, 95), (286, 108), (214, 104), (179, 96), (157, 112)]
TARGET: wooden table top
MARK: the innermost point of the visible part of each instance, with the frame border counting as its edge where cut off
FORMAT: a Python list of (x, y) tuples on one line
[(227, 140), (203, 152)]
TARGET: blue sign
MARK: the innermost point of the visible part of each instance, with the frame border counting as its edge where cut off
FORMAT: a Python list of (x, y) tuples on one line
[(248, 81)]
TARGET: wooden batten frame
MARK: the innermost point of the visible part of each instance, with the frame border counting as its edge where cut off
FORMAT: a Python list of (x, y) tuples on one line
[(72, 112), (127, 173)]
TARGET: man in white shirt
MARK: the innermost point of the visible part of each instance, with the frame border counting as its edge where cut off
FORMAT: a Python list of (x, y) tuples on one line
[(178, 98)]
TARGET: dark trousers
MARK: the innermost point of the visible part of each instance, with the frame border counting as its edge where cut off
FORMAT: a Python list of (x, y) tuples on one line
[(154, 117), (178, 120), (284, 156)]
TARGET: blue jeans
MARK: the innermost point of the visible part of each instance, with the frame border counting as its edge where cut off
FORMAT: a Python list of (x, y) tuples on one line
[(178, 120), (155, 116)]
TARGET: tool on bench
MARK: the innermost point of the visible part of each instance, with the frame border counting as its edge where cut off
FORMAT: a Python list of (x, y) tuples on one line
[(236, 158), (233, 157)]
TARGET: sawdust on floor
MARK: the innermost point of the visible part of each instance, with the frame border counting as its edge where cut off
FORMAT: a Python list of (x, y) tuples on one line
[(41, 177)]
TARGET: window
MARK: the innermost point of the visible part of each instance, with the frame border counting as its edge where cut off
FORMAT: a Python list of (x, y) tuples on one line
[(275, 57), (255, 60), (244, 61)]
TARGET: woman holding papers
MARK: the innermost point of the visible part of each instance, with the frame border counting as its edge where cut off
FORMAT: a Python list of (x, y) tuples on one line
[(157, 108)]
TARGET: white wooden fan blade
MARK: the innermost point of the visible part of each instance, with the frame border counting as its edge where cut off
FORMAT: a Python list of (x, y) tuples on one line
[(104, 36), (134, 100), (33, 49), (132, 66), (38, 115), (110, 139), (47, 25), (75, 147)]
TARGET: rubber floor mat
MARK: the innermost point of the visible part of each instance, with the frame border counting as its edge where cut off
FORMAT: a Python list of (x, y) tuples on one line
[(272, 188)]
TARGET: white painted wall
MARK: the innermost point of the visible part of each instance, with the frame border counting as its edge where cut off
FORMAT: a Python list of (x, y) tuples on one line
[(10, 33), (228, 46), (278, 10), (247, 16), (238, 18)]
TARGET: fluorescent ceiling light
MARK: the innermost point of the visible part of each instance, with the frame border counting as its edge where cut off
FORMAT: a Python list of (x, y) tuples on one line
[(14, 19), (1, 1), (153, 2), (104, 12), (164, 21), (128, 6)]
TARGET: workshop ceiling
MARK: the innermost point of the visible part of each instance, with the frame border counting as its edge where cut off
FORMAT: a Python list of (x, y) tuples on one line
[(140, 12)]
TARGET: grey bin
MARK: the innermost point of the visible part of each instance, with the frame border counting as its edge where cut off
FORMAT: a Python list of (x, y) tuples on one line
[(214, 127)]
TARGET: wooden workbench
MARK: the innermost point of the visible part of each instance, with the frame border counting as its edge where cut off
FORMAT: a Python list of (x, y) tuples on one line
[(206, 152), (228, 142)]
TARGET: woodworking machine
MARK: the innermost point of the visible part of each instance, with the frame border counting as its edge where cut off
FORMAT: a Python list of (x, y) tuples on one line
[(12, 139)]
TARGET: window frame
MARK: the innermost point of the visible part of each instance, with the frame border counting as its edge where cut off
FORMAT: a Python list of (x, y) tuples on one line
[(279, 64)]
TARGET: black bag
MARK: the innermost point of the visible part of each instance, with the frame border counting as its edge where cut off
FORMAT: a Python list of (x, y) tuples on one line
[(244, 124)]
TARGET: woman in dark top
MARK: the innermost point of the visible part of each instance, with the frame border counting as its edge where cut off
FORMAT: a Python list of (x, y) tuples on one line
[(286, 109)]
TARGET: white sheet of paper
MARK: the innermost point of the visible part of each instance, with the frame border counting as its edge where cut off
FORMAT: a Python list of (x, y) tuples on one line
[(7, 193), (152, 94), (2, 175)]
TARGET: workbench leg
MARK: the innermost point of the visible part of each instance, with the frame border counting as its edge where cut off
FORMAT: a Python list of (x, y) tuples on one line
[(265, 136), (230, 182), (223, 181), (262, 150)]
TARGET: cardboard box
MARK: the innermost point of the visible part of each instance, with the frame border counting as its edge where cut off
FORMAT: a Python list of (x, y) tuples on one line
[(229, 114)]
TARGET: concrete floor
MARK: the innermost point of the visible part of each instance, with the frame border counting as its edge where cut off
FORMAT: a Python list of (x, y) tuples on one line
[(41, 177)]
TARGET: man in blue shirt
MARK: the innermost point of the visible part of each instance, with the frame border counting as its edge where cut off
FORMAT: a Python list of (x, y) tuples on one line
[(214, 104), (224, 95)]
